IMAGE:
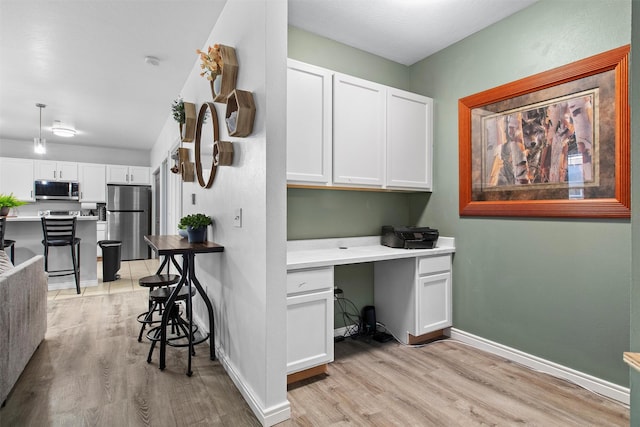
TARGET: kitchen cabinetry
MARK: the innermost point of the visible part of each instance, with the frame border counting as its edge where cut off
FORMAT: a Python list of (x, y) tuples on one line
[(343, 131), (16, 176), (309, 111), (358, 131), (93, 181), (413, 295), (409, 140), (134, 175), (309, 318), (59, 171)]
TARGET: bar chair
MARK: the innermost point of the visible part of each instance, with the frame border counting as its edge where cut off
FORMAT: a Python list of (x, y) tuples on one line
[(6, 243), (59, 232)]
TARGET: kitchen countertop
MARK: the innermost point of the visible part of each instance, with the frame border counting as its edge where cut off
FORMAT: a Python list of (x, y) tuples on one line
[(353, 250), (26, 218)]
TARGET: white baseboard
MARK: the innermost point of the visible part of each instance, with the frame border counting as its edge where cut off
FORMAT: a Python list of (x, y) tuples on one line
[(597, 385), (266, 416)]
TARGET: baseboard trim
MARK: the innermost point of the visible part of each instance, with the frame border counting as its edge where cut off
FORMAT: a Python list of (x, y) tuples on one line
[(267, 416), (589, 382)]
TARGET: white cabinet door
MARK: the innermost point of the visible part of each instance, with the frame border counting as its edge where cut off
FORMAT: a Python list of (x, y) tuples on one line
[(92, 182), (59, 171), (139, 175), (46, 169), (433, 303), (68, 171), (117, 174), (309, 110), (409, 140), (16, 176), (359, 131), (120, 174), (309, 330)]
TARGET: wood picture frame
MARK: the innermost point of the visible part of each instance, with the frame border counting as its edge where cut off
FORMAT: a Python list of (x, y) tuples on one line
[(555, 144)]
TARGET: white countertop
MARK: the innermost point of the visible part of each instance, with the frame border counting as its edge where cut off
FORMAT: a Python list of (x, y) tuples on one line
[(27, 218), (353, 250)]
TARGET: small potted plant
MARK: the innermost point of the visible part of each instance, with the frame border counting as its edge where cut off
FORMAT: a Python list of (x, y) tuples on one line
[(8, 201), (196, 225)]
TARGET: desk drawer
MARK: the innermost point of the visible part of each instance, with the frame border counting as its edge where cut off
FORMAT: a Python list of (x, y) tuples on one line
[(309, 280), (434, 264)]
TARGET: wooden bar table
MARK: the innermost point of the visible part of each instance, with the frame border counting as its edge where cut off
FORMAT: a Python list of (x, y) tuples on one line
[(170, 246)]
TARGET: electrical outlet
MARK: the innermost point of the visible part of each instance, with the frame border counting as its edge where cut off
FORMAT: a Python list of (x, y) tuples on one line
[(237, 218), (193, 198)]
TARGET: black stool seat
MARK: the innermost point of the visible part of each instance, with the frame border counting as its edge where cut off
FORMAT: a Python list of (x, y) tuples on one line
[(158, 280), (62, 242), (152, 282), (163, 294)]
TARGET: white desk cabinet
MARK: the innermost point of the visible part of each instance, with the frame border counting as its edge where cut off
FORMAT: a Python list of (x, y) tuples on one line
[(133, 175), (409, 140), (359, 126), (53, 170), (16, 176), (92, 178), (309, 318), (413, 295), (309, 125)]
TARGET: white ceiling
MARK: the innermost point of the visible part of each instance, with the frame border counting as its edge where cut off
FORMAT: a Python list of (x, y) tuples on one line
[(85, 59)]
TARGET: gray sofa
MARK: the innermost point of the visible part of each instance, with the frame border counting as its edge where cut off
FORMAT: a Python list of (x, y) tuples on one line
[(23, 318)]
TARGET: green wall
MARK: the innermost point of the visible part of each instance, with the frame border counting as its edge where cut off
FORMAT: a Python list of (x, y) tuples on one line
[(557, 289), (635, 208)]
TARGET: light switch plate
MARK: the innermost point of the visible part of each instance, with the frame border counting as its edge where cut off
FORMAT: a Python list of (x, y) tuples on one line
[(237, 217)]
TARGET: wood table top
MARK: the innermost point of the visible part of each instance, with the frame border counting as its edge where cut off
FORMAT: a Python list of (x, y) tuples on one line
[(174, 244)]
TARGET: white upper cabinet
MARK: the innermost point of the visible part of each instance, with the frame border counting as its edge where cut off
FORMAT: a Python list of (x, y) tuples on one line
[(53, 170), (92, 182), (343, 131), (133, 175), (16, 176), (309, 110), (358, 131), (409, 140)]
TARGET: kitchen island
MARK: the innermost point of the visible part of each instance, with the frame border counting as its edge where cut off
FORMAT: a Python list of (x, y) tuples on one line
[(27, 232)]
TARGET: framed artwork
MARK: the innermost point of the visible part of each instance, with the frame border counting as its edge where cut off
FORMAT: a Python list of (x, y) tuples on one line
[(556, 144)]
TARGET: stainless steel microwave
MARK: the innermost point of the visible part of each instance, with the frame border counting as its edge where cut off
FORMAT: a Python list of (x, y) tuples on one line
[(56, 190)]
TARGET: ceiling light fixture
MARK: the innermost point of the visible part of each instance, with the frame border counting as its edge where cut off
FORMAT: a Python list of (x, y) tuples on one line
[(62, 130), (40, 144)]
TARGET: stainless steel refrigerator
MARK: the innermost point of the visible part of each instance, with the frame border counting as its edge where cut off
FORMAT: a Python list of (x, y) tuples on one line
[(129, 219)]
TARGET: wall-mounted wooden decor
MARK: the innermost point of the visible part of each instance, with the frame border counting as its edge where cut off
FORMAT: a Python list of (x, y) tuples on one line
[(188, 128), (223, 153), (185, 165), (205, 139), (229, 74), (240, 114)]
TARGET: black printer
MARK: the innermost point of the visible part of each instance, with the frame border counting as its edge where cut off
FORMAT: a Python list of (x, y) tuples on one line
[(409, 237)]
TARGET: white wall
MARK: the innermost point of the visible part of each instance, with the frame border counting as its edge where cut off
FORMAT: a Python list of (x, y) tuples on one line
[(75, 152), (246, 283)]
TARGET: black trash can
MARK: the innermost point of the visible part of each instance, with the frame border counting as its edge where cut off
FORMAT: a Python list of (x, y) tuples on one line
[(110, 259)]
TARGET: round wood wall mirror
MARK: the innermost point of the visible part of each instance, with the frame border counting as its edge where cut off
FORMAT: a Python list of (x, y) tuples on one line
[(206, 136)]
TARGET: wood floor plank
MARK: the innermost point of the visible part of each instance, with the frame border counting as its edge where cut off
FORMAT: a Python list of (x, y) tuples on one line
[(92, 371)]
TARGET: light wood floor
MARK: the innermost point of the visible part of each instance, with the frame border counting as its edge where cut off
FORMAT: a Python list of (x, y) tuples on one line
[(91, 371)]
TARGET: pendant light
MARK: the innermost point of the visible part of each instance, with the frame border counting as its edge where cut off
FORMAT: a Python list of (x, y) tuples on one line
[(40, 144)]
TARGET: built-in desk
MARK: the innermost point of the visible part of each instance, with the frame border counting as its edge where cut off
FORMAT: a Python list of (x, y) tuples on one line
[(412, 293)]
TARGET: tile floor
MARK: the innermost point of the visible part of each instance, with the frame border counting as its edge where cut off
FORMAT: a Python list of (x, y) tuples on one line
[(130, 272)]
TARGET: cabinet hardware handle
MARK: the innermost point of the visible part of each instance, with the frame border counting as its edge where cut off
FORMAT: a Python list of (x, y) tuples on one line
[(131, 177), (302, 284), (60, 174), (54, 174)]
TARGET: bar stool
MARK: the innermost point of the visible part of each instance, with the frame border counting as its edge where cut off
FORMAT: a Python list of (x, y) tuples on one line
[(179, 327), (6, 243), (60, 232), (153, 282)]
